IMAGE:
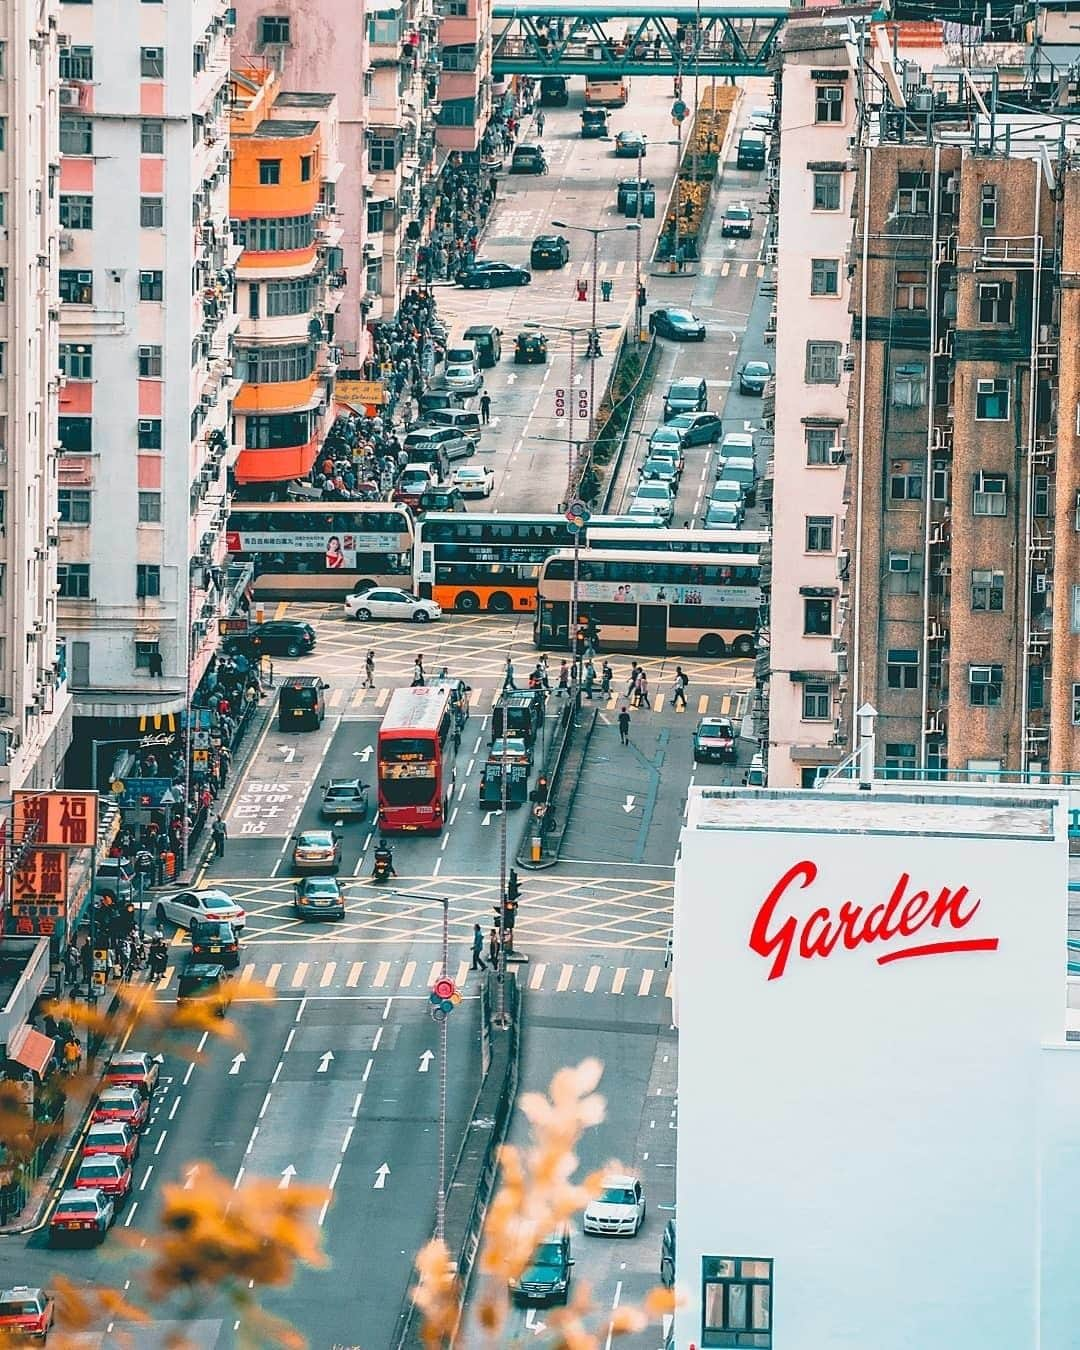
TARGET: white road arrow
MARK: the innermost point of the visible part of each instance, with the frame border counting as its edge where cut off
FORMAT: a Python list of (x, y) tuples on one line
[(511, 377), (494, 422), (289, 751), (287, 1174), (532, 1323), (380, 1178), (628, 805), (425, 1060), (189, 1176), (488, 815), (325, 1062), (241, 1058), (578, 378), (363, 755)]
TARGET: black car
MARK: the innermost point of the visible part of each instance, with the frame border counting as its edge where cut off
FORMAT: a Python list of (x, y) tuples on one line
[(276, 637), (550, 250), (680, 324), (215, 942), (204, 980), (530, 349), (528, 159), (483, 275), (318, 898), (546, 1279), (754, 376)]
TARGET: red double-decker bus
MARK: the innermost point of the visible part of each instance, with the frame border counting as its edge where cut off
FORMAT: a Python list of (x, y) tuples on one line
[(417, 757)]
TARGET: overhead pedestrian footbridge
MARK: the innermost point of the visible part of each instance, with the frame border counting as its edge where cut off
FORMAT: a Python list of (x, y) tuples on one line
[(668, 37)]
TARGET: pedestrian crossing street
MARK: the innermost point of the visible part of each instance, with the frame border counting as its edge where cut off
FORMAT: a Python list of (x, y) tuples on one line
[(410, 978)]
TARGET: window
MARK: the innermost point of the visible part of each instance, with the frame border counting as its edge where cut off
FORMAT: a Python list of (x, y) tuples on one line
[(152, 139), (911, 289), (995, 302), (305, 168), (1040, 495), (459, 56), (373, 276), (273, 234), (147, 581), (151, 213), (820, 443), (899, 759), (76, 435), (823, 363), (74, 506), (902, 668), (817, 618), (824, 276), (150, 363), (76, 211), (76, 288), (1074, 622), (76, 136), (73, 580), (984, 686), (990, 494), (909, 385), (829, 103), (149, 508), (987, 589), (145, 654), (76, 63), (458, 112), (1076, 704), (151, 285), (826, 192), (149, 433), (382, 153), (269, 172), (819, 534), (816, 703), (913, 194), (1036, 687), (736, 1302), (268, 431), (988, 206), (376, 215), (992, 400), (198, 58), (295, 296), (905, 485), (77, 360), (274, 28), (253, 300), (152, 63), (940, 482), (274, 365)]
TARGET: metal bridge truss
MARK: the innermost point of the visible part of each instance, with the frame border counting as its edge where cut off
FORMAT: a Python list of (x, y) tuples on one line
[(738, 42)]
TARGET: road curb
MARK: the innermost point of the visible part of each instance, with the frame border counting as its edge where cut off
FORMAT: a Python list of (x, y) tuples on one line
[(563, 772)]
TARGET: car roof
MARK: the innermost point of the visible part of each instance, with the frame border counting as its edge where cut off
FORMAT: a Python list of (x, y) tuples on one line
[(738, 438), (757, 365), (344, 782), (315, 833), (724, 722), (738, 207), (203, 970), (126, 1057), (329, 883), (82, 1193), (685, 382), (549, 239)]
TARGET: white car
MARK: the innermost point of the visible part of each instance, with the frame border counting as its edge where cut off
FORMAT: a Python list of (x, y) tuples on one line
[(659, 493), (735, 445), (187, 907), (473, 482), (647, 512), (383, 603), (619, 1209), (466, 379)]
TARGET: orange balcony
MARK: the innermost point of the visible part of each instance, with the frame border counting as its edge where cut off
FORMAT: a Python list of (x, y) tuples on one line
[(279, 464)]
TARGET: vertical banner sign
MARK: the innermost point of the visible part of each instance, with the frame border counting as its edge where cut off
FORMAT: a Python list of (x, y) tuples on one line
[(39, 891)]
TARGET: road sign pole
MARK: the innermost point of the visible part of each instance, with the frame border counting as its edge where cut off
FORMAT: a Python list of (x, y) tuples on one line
[(440, 1199)]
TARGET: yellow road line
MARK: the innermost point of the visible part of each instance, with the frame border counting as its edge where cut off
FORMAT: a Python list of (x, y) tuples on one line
[(328, 974), (166, 980), (381, 974), (591, 978), (743, 269), (407, 974), (434, 973), (564, 979), (703, 703), (725, 704), (248, 973), (358, 696), (333, 699), (300, 975), (536, 979), (462, 973), (725, 270), (282, 606), (646, 983), (272, 975), (670, 989), (353, 977), (381, 697), (620, 979)]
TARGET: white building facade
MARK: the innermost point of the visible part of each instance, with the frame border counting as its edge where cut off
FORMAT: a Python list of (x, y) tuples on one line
[(877, 1099), (147, 317)]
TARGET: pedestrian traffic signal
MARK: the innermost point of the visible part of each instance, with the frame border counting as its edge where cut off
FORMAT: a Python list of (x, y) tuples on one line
[(444, 997), (578, 514), (513, 888)]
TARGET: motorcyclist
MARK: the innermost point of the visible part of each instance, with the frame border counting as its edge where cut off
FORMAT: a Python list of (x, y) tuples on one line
[(384, 857), (159, 956)]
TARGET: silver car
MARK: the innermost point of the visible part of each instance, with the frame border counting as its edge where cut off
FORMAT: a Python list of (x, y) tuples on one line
[(466, 379)]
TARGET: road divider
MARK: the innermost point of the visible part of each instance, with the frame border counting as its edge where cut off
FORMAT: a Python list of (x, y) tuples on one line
[(545, 825)]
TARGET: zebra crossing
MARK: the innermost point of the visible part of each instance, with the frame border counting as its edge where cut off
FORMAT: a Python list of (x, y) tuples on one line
[(709, 267), (406, 977)]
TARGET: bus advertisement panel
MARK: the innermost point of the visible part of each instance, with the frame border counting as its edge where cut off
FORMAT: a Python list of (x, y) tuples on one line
[(645, 539), (653, 603), (322, 550), (416, 758)]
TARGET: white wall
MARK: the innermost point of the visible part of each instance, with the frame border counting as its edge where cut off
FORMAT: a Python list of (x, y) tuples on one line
[(876, 1129)]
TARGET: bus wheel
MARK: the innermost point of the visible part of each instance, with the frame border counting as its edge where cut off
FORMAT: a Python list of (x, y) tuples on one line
[(711, 645), (467, 603), (744, 646), (500, 603)]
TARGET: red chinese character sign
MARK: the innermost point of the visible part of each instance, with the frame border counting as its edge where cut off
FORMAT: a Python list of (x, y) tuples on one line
[(39, 890), (56, 819)]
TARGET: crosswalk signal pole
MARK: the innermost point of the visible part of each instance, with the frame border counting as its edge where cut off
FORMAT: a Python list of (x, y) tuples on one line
[(502, 1017)]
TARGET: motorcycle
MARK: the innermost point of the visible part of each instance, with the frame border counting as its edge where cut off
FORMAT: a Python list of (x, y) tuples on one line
[(384, 867)]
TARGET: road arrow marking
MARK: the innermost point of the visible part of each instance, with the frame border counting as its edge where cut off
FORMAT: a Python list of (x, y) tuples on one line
[(289, 751), (325, 1062), (363, 755), (287, 1174), (668, 1318), (241, 1058), (425, 1060), (532, 1323), (189, 1176), (578, 378), (628, 805), (380, 1178), (511, 377), (488, 815)]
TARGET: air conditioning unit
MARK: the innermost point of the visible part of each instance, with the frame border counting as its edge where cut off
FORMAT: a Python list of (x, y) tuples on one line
[(318, 210), (843, 562), (146, 425), (69, 95), (952, 185), (848, 362), (1041, 583), (935, 724), (837, 454), (66, 241), (47, 675)]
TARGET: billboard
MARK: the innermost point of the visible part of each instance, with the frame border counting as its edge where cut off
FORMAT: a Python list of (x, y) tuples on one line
[(39, 891), (59, 819), (865, 987)]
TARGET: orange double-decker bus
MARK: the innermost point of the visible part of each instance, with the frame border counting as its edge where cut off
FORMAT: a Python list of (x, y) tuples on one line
[(417, 757)]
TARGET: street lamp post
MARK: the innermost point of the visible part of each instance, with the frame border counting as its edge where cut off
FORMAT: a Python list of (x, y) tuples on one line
[(596, 231)]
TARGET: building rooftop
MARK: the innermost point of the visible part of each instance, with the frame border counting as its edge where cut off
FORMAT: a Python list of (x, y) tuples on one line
[(273, 129), (304, 100), (881, 811)]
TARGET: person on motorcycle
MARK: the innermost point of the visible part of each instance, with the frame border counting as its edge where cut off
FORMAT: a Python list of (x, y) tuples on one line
[(384, 858)]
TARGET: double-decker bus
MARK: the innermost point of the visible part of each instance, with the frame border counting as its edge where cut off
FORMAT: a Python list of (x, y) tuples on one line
[(482, 561), (322, 550), (416, 757), (677, 541), (653, 603)]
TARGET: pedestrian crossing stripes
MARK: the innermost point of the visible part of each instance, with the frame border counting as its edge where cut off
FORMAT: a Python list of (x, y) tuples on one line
[(413, 978)]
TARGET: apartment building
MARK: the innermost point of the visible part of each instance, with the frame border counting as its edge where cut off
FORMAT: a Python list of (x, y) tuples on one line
[(35, 702), (815, 186), (146, 322), (284, 169), (464, 53), (323, 45)]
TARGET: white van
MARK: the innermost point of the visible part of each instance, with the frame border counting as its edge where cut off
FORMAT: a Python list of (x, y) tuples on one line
[(755, 773)]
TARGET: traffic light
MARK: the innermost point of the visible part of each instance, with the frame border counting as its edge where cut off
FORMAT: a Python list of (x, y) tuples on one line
[(444, 997), (513, 888)]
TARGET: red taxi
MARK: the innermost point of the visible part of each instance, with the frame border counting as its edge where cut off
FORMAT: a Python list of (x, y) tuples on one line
[(125, 1104), (111, 1137), (25, 1312), (133, 1068), (106, 1172), (86, 1213)]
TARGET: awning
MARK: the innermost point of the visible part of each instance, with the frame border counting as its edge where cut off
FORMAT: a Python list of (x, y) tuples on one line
[(126, 703), (31, 1049)]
